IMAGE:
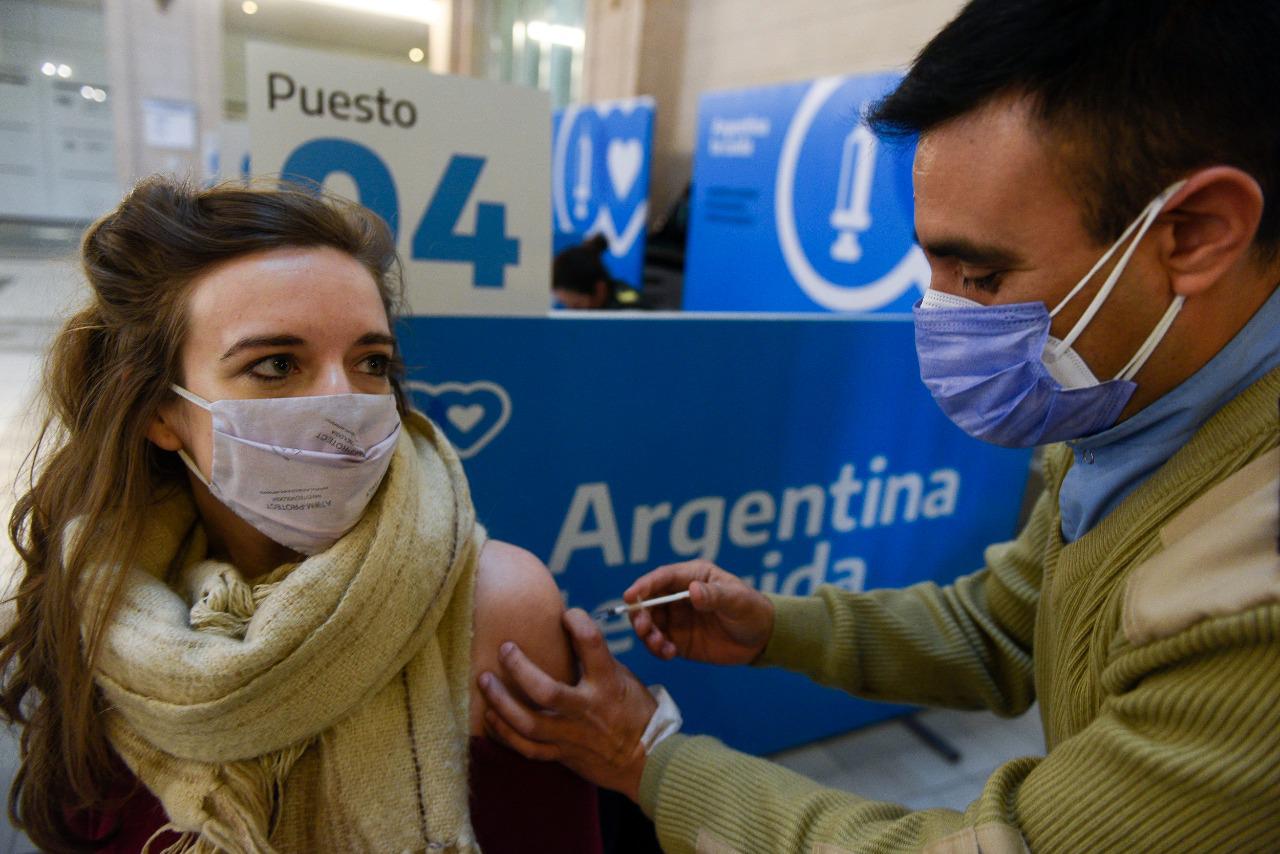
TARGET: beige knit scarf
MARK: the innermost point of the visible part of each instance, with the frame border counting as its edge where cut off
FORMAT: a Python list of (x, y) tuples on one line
[(324, 709)]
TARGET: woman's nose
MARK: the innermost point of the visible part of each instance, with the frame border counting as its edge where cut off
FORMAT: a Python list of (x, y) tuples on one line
[(333, 379)]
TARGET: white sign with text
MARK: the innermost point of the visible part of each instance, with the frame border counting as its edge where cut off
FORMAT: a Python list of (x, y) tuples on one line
[(459, 168)]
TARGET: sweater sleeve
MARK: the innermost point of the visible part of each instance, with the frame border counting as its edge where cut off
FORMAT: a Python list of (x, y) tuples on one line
[(966, 645), (1179, 758)]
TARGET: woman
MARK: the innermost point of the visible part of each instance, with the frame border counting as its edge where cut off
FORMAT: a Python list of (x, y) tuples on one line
[(252, 573), (580, 280)]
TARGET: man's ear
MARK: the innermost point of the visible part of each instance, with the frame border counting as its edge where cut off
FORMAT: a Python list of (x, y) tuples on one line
[(1213, 220), (161, 432)]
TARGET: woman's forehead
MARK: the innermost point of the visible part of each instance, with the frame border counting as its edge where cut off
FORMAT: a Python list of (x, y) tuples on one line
[(308, 292)]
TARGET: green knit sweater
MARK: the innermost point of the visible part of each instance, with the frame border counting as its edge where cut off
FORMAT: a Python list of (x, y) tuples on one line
[(1155, 657)]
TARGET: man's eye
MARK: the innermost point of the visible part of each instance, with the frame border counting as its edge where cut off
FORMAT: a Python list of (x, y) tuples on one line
[(990, 282), (273, 367)]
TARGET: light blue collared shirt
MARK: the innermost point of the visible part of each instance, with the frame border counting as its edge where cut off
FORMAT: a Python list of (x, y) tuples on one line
[(1111, 464)]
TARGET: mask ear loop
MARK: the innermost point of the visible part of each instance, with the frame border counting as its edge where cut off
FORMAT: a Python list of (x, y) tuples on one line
[(182, 454), (190, 396), (194, 469), (1142, 224), (1153, 340)]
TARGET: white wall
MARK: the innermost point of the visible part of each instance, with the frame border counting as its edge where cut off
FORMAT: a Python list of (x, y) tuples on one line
[(611, 61), (689, 47), (57, 149), (170, 54), (36, 295)]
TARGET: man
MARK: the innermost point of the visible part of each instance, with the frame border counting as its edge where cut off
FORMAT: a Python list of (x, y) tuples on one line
[(1141, 603)]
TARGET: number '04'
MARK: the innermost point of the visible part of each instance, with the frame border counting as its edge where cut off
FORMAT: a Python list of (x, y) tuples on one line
[(489, 250)]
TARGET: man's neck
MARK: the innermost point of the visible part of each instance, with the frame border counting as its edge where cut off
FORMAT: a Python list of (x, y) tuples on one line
[(1207, 323)]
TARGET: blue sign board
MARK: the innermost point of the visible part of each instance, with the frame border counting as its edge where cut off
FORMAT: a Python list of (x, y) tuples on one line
[(797, 206), (792, 452), (600, 180)]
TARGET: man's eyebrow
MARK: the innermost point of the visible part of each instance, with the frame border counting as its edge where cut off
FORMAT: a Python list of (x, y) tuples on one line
[(255, 341), (968, 252)]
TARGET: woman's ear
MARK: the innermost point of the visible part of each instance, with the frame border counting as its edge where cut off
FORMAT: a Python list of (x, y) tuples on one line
[(1213, 220), (161, 433)]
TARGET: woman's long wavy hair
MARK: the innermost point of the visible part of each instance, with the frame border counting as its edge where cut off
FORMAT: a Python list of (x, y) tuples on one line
[(93, 473)]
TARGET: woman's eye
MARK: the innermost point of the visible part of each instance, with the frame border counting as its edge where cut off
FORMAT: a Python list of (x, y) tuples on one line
[(273, 367), (377, 365)]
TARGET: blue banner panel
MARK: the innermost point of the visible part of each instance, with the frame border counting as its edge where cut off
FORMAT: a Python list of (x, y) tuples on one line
[(797, 206), (600, 180), (792, 452)]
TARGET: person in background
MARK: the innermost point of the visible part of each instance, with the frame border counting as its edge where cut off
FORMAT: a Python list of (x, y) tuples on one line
[(1097, 191), (254, 588), (579, 279)]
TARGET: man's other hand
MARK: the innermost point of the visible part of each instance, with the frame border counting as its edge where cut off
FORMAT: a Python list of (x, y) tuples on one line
[(593, 728)]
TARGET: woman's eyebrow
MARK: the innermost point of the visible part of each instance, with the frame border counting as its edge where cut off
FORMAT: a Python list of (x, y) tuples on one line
[(254, 341), (376, 338)]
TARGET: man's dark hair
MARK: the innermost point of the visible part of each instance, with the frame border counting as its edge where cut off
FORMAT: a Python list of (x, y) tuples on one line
[(1133, 94)]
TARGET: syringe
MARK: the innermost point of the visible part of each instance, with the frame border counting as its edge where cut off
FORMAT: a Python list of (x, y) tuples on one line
[(624, 608)]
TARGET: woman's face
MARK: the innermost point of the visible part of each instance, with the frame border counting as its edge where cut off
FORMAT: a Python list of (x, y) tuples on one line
[(573, 299), (281, 323)]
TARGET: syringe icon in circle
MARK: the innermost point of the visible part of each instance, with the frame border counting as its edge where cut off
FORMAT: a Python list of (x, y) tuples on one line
[(582, 188), (852, 213)]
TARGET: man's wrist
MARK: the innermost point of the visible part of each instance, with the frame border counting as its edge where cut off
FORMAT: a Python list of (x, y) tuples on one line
[(635, 775), (665, 721), (772, 622)]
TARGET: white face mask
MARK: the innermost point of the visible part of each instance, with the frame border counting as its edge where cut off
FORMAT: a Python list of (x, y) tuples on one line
[(299, 469)]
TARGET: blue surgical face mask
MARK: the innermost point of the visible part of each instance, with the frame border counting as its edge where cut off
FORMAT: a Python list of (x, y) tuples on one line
[(1001, 377)]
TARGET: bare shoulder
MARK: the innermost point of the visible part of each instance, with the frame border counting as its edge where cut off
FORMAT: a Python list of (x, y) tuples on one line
[(516, 600), (516, 597)]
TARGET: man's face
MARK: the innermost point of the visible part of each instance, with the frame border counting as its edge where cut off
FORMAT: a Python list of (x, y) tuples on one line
[(999, 226)]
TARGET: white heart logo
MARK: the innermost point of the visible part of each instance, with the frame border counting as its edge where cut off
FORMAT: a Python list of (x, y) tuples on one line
[(625, 156), (465, 417)]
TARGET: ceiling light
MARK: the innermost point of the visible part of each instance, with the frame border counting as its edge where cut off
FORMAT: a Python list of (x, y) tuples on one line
[(249, 7), (416, 54), (559, 34), (64, 70), (99, 95), (49, 69), (422, 11), (86, 92)]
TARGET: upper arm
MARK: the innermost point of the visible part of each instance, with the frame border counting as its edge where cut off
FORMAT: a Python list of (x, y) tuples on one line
[(1179, 758), (516, 600)]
